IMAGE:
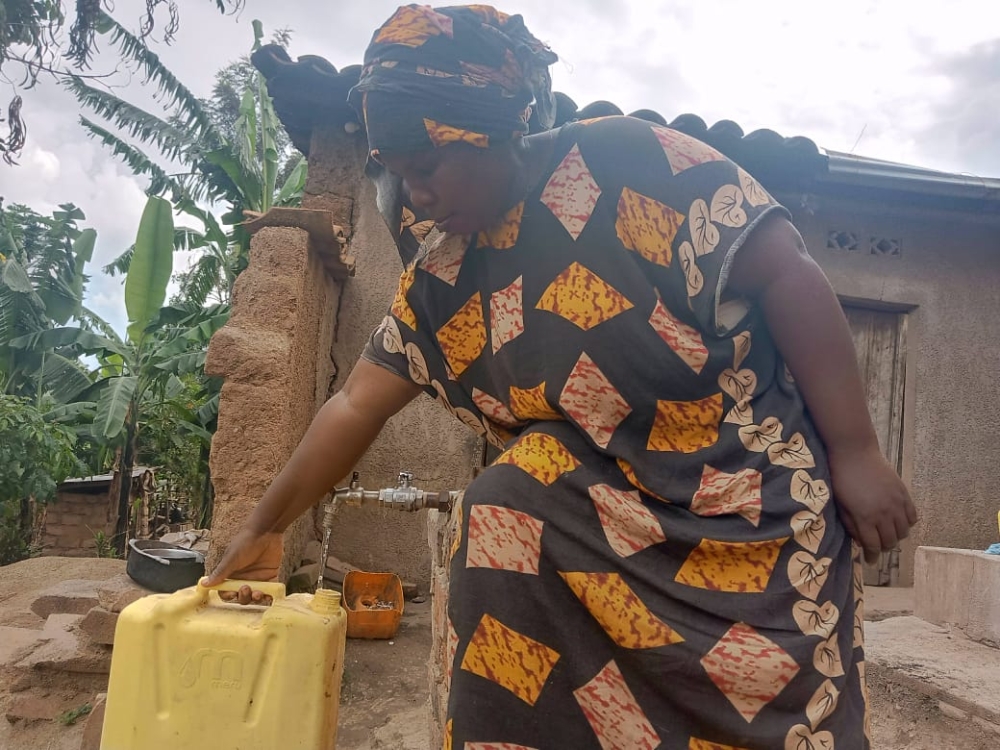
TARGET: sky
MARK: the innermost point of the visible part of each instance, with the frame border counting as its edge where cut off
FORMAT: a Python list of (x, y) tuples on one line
[(901, 80)]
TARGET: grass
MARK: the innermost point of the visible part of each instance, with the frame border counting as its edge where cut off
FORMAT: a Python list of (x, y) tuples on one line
[(70, 717)]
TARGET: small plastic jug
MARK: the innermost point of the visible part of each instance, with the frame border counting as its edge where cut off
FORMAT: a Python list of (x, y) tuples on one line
[(192, 671)]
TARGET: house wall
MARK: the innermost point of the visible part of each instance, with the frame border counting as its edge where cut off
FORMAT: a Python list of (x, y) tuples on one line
[(72, 520), (423, 438), (274, 355), (949, 272)]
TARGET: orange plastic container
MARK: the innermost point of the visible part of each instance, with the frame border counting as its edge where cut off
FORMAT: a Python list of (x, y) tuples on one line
[(367, 599)]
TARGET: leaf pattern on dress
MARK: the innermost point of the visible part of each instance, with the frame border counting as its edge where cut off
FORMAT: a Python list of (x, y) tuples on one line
[(727, 207)]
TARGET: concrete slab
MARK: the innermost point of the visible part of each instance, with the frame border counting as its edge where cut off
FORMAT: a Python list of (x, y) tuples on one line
[(116, 593), (938, 663), (99, 625), (883, 602), (15, 643), (73, 597), (960, 588), (65, 648)]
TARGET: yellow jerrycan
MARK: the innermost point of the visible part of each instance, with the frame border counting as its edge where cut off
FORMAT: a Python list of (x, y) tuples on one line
[(191, 671)]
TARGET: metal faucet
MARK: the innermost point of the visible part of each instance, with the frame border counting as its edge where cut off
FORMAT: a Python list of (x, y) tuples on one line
[(404, 496)]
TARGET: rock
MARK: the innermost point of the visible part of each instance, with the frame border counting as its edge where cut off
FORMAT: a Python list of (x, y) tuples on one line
[(117, 593), (67, 649), (313, 552), (99, 625), (303, 580), (95, 724), (33, 707), (410, 590), (66, 598), (15, 643), (336, 569)]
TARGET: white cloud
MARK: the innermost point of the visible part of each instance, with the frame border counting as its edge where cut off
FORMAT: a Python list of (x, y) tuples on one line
[(892, 79)]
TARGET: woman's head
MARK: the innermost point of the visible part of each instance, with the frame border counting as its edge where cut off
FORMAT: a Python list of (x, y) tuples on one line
[(446, 95)]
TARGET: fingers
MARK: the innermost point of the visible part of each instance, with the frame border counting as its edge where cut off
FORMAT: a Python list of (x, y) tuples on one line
[(866, 535), (911, 511), (247, 595)]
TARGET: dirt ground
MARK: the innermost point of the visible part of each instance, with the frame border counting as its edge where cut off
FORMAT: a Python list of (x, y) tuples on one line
[(384, 698), (384, 695)]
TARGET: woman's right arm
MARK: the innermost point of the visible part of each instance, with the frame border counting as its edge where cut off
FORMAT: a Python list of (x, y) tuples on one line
[(339, 435)]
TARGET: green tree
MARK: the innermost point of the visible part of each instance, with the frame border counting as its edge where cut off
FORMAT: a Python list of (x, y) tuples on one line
[(35, 456), (33, 41), (196, 152), (43, 277), (143, 369)]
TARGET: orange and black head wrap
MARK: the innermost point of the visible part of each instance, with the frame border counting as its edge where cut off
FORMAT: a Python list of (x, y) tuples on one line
[(470, 74)]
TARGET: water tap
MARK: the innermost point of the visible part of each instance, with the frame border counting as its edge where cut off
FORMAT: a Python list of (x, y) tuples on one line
[(404, 496)]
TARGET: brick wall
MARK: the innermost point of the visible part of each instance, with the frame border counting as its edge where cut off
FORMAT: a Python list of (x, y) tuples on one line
[(71, 522)]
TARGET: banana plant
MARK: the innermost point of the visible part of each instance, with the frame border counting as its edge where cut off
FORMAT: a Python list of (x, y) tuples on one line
[(161, 344), (43, 263), (237, 173)]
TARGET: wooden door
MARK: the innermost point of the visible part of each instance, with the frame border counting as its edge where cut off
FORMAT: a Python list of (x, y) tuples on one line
[(880, 341)]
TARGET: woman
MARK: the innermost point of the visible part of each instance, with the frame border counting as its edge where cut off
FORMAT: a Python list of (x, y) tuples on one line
[(655, 560)]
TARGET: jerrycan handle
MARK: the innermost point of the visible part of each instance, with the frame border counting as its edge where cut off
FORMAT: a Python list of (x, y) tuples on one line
[(271, 588)]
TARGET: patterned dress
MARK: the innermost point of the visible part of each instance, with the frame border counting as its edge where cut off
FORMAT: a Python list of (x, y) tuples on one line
[(654, 561)]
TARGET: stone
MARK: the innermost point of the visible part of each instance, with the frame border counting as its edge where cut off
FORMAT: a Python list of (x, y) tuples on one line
[(410, 590), (15, 643), (313, 552), (952, 712), (937, 662), (118, 592), (960, 588), (92, 730), (99, 625), (65, 648), (336, 569), (66, 598), (303, 580), (34, 707)]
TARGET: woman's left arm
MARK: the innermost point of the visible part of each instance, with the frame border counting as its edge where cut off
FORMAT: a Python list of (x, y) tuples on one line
[(774, 270)]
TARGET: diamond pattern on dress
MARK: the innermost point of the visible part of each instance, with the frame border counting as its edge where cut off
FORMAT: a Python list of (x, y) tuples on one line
[(540, 456), (682, 339), (583, 298), (749, 669), (503, 539), (683, 151), (444, 257), (494, 409), (572, 193), (614, 714), (503, 235), (592, 402), (686, 426), (463, 337), (629, 526), (619, 610), (510, 659), (723, 494), (507, 314), (647, 226), (735, 567)]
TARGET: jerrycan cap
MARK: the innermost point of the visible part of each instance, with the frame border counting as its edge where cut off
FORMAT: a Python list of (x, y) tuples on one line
[(325, 602)]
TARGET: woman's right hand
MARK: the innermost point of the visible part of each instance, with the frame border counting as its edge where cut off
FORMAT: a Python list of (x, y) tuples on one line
[(250, 556)]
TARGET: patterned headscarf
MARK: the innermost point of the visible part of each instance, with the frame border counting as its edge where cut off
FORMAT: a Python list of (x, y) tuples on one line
[(435, 76), (466, 74)]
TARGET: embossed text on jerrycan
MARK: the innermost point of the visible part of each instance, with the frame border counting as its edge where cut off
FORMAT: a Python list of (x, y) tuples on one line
[(194, 672)]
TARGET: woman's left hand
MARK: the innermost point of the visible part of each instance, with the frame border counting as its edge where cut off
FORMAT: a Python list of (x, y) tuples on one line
[(874, 504)]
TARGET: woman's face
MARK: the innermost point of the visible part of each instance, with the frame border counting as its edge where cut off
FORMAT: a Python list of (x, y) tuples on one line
[(464, 189)]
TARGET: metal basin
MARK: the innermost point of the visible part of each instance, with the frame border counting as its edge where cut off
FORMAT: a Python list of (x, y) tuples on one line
[(163, 567)]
